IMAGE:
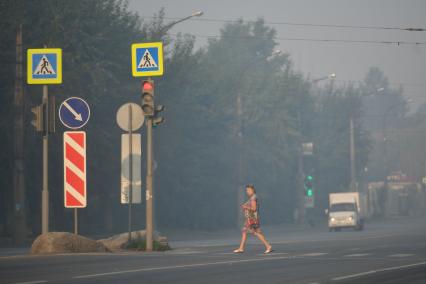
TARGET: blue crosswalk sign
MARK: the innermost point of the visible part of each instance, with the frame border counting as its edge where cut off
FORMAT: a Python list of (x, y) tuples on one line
[(147, 59), (74, 113), (44, 66)]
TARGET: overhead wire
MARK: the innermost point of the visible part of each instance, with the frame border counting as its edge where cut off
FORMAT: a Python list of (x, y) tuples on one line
[(323, 40), (409, 29)]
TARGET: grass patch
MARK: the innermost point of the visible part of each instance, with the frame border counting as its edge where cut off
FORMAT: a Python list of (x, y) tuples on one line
[(141, 246)]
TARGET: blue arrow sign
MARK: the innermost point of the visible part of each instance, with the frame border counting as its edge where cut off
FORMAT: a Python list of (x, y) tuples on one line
[(74, 113)]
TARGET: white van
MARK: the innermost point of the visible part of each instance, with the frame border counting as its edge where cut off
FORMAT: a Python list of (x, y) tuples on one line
[(346, 210)]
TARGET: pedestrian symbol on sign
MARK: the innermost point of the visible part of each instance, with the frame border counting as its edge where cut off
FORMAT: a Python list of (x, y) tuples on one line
[(147, 60), (44, 67)]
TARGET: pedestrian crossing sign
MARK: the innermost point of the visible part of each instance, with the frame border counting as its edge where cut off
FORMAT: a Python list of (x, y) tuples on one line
[(147, 59), (44, 66)]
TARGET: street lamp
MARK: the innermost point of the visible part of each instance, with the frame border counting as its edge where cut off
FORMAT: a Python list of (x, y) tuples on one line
[(353, 184), (331, 76), (170, 25)]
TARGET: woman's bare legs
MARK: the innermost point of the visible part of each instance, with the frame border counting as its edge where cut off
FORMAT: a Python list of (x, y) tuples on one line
[(261, 237), (243, 241)]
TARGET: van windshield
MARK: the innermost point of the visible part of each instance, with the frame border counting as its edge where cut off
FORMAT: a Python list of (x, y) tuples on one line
[(339, 207)]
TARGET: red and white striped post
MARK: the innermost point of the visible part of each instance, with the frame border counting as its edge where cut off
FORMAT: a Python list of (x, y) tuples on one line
[(75, 171)]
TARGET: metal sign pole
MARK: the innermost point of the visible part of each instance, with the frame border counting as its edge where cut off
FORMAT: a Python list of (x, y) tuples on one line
[(130, 171), (45, 190), (149, 153), (75, 221)]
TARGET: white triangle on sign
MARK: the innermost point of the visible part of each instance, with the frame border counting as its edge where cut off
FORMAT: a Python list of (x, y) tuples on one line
[(147, 61), (44, 67)]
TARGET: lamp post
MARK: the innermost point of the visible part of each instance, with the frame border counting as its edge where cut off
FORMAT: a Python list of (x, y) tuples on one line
[(385, 139), (353, 183), (149, 85), (299, 215), (239, 109)]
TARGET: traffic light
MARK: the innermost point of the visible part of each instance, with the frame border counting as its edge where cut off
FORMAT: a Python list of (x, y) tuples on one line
[(158, 119), (309, 188), (148, 97), (38, 121)]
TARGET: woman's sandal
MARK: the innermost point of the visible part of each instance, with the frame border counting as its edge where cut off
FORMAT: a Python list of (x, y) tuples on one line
[(269, 250), (238, 251)]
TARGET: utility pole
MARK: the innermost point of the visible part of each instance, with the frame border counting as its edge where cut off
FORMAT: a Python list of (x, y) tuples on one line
[(19, 205), (352, 154)]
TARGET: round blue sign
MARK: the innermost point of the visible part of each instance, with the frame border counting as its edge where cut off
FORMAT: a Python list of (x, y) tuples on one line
[(74, 113)]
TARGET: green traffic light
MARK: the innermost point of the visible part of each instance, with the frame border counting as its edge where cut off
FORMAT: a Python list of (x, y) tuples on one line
[(309, 178), (310, 192)]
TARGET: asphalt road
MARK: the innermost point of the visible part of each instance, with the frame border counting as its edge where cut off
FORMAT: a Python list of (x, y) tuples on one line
[(389, 252)]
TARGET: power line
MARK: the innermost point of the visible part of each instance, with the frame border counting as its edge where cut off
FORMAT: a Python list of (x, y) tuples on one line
[(409, 29), (390, 83), (397, 43)]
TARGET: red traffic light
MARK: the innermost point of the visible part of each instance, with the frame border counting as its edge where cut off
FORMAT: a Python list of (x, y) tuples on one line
[(147, 86)]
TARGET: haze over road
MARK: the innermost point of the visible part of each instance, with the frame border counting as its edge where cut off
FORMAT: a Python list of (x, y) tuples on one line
[(389, 249)]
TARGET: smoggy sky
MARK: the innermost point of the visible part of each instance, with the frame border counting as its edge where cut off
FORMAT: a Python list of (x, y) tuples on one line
[(403, 64)]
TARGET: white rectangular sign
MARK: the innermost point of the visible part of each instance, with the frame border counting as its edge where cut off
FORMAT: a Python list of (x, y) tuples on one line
[(309, 202), (125, 169)]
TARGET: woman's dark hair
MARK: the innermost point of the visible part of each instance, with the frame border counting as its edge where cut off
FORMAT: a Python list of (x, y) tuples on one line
[(251, 186)]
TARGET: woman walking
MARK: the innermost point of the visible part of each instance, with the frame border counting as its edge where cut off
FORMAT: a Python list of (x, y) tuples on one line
[(252, 224)]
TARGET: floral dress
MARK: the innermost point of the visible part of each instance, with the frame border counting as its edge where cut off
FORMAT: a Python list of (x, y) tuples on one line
[(251, 223)]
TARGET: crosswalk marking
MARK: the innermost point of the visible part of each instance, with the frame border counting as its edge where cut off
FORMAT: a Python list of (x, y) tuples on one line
[(314, 254), (274, 253), (401, 255), (357, 254), (179, 252)]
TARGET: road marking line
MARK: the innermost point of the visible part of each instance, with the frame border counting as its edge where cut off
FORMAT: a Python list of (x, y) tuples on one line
[(314, 254), (378, 270), (32, 282), (357, 254), (183, 252), (352, 249), (180, 266), (273, 253), (401, 255)]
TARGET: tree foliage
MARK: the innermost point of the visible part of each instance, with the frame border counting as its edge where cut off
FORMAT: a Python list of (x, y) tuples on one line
[(197, 150)]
